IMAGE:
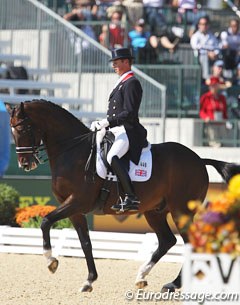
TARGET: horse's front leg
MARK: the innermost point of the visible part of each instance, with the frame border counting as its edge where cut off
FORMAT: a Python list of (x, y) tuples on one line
[(52, 262), (79, 222), (67, 209)]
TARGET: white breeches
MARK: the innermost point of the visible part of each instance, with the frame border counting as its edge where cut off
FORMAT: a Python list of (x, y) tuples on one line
[(121, 144)]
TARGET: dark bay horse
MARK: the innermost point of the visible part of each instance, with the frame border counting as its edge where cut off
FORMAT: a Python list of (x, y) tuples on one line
[(178, 175)]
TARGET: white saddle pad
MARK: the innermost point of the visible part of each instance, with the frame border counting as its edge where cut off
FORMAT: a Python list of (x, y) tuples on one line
[(140, 173)]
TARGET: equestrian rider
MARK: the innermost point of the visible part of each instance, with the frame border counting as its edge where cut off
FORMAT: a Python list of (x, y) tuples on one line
[(122, 120)]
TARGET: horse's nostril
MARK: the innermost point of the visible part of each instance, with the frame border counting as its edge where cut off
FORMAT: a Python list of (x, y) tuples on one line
[(23, 161)]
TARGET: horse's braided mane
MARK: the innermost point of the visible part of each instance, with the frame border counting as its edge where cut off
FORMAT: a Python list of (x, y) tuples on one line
[(58, 108)]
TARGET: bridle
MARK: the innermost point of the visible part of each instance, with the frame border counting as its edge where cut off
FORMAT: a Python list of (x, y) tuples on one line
[(33, 149)]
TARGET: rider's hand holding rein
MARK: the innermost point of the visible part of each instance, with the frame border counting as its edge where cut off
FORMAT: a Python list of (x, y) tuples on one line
[(98, 125)]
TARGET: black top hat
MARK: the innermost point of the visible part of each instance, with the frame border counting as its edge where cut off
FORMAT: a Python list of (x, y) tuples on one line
[(121, 53)]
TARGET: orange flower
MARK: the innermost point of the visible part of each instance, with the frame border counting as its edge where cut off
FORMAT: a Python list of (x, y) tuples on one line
[(208, 228), (223, 203), (24, 214), (228, 227)]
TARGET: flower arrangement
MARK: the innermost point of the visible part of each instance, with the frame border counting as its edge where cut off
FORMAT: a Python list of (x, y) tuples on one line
[(216, 226), (27, 214), (31, 217)]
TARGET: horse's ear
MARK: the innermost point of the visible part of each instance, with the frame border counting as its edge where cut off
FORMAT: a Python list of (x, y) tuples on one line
[(22, 107), (9, 108)]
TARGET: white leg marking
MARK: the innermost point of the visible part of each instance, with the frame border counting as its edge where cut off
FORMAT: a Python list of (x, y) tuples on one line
[(144, 270), (48, 255)]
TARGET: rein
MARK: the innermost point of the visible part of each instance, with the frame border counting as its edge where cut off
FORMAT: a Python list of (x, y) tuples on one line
[(91, 155)]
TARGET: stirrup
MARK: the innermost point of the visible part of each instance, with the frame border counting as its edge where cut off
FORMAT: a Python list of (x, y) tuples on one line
[(129, 204)]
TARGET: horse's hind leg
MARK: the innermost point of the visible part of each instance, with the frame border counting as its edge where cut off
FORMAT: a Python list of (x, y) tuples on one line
[(166, 239), (177, 283), (79, 222)]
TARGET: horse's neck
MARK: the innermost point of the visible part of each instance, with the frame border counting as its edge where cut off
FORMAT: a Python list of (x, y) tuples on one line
[(61, 136)]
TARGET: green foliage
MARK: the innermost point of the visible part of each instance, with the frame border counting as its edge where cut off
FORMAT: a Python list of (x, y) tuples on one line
[(35, 222), (9, 201), (62, 224)]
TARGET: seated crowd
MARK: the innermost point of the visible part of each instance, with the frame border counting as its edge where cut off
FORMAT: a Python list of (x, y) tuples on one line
[(142, 26)]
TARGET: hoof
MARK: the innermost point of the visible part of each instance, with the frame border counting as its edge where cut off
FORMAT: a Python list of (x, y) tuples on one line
[(168, 288), (86, 288), (141, 284), (53, 265)]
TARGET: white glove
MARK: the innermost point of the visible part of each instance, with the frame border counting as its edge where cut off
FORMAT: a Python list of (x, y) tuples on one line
[(98, 125)]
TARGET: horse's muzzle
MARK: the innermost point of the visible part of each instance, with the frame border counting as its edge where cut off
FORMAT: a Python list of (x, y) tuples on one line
[(27, 163)]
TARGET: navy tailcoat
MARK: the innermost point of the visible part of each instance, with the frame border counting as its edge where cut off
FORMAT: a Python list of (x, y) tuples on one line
[(123, 106)]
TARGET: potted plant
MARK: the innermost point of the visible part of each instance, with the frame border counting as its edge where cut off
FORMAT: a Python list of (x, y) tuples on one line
[(212, 257)]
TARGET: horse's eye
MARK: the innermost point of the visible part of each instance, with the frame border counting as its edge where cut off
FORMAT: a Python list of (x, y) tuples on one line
[(19, 128)]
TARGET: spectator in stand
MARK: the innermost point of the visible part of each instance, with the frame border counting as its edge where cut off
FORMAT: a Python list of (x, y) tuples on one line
[(103, 6), (143, 44), (234, 95), (81, 15), (83, 10), (217, 71), (153, 15), (236, 109), (188, 14), (117, 6), (88, 8), (236, 79), (134, 10), (113, 35), (213, 109), (230, 46), (205, 46), (81, 46)]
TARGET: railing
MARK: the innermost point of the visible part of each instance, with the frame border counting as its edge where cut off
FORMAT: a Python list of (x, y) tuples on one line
[(183, 84), (70, 54), (224, 133), (233, 7), (65, 242)]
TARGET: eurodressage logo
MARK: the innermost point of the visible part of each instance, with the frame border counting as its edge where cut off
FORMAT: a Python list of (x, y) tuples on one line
[(142, 295)]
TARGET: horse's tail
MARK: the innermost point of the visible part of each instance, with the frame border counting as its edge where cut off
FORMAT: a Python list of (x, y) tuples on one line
[(225, 169)]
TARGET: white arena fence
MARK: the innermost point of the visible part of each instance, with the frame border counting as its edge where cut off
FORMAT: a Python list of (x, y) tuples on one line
[(65, 242)]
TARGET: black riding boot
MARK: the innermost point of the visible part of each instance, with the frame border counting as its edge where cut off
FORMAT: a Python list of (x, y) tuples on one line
[(130, 202)]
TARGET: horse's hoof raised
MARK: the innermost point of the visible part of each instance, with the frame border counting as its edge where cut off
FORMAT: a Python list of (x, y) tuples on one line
[(141, 284), (86, 288), (53, 265)]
